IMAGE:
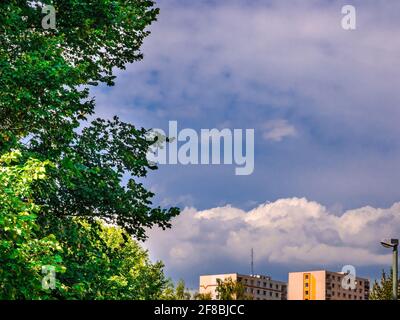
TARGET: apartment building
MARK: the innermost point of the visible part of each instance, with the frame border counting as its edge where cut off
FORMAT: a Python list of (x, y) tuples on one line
[(324, 285), (259, 287)]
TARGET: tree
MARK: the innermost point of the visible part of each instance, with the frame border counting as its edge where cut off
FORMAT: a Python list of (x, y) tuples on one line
[(23, 252), (203, 296), (168, 292), (45, 76), (63, 219), (383, 290), (181, 292), (229, 289), (178, 292), (92, 260), (88, 180), (104, 262)]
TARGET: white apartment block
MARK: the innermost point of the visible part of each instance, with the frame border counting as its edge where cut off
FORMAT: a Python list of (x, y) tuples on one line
[(258, 287)]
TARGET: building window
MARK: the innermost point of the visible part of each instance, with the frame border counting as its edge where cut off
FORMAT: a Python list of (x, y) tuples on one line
[(276, 294), (270, 294), (265, 293), (306, 276), (265, 284), (270, 285), (258, 291)]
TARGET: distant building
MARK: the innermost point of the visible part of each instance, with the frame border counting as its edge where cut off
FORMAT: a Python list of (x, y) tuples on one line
[(259, 287), (324, 285)]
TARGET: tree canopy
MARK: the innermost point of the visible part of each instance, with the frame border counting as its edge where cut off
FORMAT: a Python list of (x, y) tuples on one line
[(229, 289), (91, 260), (45, 76), (70, 195), (383, 290), (23, 250)]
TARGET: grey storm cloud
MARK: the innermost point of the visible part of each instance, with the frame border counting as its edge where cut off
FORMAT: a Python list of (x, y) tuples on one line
[(325, 106)]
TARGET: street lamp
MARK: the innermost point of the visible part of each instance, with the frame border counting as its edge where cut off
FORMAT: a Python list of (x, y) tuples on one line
[(393, 243)]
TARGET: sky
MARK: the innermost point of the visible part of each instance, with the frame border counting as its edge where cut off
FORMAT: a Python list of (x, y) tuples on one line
[(324, 104)]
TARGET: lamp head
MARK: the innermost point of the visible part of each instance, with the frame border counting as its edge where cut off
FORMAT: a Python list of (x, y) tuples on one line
[(390, 243)]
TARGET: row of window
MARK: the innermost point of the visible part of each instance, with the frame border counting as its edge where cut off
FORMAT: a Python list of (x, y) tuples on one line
[(339, 278), (259, 284), (350, 297), (344, 295), (340, 286), (263, 292)]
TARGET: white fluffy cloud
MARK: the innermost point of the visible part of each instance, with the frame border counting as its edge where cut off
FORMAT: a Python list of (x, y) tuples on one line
[(276, 130), (291, 231)]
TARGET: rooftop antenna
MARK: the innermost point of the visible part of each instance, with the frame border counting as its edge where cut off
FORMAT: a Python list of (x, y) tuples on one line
[(252, 262)]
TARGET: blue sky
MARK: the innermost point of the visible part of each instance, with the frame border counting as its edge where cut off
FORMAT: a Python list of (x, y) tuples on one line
[(324, 103)]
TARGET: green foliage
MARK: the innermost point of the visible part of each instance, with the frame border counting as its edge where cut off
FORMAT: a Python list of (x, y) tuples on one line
[(45, 75), (203, 296), (383, 290), (181, 292), (231, 290), (88, 180), (59, 190), (104, 262), (178, 292), (168, 292), (91, 260), (22, 251)]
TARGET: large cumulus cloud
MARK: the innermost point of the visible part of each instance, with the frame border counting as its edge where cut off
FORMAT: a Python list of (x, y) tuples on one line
[(291, 231)]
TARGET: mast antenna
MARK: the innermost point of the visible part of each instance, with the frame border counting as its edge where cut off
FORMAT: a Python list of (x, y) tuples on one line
[(252, 262)]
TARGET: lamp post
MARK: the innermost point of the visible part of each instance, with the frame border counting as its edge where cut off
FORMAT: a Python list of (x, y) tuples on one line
[(393, 243)]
